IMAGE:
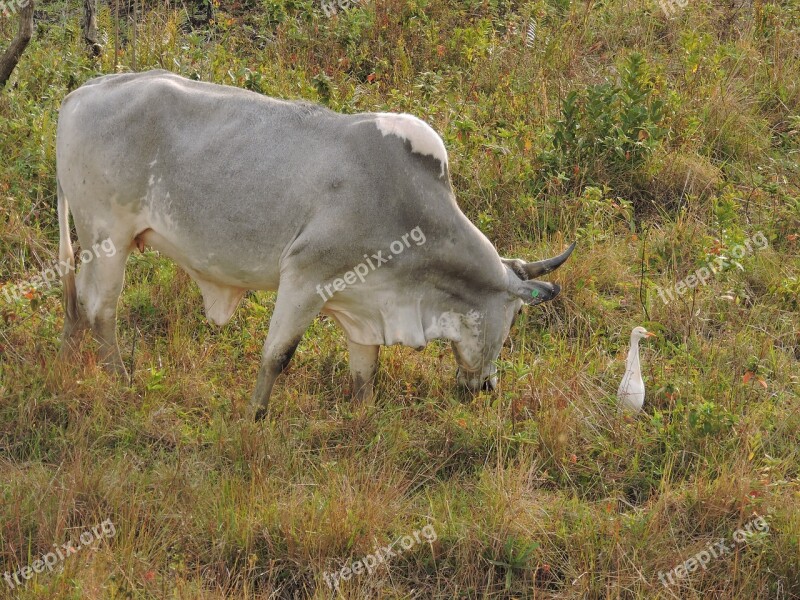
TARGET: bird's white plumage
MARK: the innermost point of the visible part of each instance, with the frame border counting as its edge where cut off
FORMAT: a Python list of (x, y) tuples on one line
[(631, 389)]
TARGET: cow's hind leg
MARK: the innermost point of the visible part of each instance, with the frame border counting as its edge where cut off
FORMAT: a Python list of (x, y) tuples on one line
[(363, 365), (99, 284), (71, 335), (294, 311), (75, 323)]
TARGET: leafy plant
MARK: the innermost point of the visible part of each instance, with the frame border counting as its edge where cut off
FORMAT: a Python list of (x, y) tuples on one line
[(708, 418), (155, 379), (607, 130), (598, 211), (515, 557), (788, 290)]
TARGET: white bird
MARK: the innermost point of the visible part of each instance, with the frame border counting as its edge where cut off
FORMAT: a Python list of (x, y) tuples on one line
[(631, 389)]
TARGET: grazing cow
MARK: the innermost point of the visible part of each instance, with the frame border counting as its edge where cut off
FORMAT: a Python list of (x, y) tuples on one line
[(246, 192)]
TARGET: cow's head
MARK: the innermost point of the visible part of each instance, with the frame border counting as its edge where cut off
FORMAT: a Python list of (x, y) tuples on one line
[(488, 326)]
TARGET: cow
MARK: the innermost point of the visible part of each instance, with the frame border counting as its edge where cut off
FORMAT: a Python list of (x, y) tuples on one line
[(352, 216)]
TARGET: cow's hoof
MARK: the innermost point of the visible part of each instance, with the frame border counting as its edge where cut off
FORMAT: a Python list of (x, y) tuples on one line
[(363, 398), (116, 369), (259, 414)]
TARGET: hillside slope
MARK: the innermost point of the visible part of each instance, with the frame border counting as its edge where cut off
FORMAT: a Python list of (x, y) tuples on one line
[(665, 138)]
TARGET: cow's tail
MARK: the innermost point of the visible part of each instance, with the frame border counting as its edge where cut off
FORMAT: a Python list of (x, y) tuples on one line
[(66, 266)]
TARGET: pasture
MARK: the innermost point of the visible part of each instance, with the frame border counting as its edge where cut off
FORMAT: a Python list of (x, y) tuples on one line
[(664, 138)]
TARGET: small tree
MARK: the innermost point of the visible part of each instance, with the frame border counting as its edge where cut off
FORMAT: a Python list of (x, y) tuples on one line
[(11, 57)]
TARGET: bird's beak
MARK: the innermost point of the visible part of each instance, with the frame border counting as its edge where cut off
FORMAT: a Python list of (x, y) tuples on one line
[(650, 334)]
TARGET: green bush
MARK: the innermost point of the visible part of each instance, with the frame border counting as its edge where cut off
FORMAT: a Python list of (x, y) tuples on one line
[(606, 131)]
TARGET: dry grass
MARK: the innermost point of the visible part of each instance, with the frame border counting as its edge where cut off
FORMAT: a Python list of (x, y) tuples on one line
[(537, 491)]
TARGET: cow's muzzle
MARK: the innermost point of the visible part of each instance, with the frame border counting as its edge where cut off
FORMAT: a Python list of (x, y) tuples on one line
[(476, 383)]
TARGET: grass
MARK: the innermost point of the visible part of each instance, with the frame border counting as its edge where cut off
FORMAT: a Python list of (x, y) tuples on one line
[(539, 490)]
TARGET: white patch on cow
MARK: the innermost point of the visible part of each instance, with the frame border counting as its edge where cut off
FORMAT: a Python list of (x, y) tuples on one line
[(159, 220), (473, 319), (447, 326), (152, 180), (424, 140), (472, 340)]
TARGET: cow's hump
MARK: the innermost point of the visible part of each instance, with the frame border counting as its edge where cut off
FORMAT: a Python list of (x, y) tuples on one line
[(423, 139)]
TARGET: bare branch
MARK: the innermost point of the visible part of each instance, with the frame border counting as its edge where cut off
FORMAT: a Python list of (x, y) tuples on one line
[(11, 57)]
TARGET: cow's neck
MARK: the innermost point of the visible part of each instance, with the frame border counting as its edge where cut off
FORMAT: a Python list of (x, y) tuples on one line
[(411, 318)]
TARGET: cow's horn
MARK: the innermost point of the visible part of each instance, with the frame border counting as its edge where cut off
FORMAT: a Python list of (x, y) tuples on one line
[(534, 269)]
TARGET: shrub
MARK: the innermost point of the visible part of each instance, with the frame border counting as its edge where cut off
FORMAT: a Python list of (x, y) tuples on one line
[(606, 131)]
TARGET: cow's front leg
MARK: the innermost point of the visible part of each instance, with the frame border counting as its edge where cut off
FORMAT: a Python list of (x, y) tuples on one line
[(363, 365), (294, 312)]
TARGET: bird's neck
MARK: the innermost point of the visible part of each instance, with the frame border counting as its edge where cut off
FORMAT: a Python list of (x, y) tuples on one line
[(633, 355)]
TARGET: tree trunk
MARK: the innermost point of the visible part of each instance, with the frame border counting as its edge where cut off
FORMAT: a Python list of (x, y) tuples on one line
[(10, 59), (90, 26)]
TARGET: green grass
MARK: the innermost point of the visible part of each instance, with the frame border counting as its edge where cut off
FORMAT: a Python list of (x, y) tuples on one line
[(539, 490)]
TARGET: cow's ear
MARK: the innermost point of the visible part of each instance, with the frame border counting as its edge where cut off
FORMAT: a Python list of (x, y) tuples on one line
[(531, 291), (516, 265)]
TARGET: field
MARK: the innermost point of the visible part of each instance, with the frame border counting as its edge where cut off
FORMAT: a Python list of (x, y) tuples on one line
[(664, 139)]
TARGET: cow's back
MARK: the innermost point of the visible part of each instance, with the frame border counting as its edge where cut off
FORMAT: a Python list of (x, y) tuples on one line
[(246, 179)]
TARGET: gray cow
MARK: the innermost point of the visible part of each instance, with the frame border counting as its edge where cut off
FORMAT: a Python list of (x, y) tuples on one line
[(246, 192)]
